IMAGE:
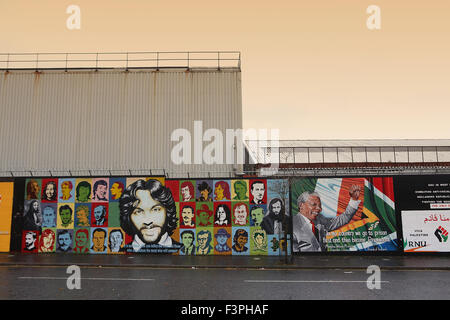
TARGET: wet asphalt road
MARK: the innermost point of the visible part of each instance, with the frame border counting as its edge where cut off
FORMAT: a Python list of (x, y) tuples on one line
[(26, 282)]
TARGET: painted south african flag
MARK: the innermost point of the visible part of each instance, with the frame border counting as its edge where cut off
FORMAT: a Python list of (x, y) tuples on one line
[(372, 228)]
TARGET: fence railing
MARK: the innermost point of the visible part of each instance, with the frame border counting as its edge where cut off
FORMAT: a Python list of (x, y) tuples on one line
[(256, 171), (123, 60)]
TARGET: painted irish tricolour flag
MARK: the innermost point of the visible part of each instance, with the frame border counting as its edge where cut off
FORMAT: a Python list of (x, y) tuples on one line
[(370, 222)]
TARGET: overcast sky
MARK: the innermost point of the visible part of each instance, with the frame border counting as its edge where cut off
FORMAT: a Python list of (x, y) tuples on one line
[(313, 69)]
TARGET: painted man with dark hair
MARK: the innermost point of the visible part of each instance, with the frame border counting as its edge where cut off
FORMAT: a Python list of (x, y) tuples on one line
[(98, 240), (83, 191), (257, 190), (204, 242), (275, 218), (187, 238), (100, 190), (240, 239), (148, 214), (64, 241), (240, 188), (50, 191), (65, 213), (205, 192)]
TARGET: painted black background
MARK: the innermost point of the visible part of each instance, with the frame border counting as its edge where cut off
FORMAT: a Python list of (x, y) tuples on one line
[(405, 186)]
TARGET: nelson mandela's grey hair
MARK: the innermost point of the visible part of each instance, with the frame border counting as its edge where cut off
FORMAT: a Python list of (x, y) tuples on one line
[(305, 196)]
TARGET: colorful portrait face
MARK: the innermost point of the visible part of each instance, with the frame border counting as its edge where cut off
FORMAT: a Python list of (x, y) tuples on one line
[(222, 237), (98, 240), (204, 191), (203, 239), (240, 241), (47, 243), (259, 241), (83, 192), (49, 191), (221, 191), (65, 216), (204, 216), (187, 238), (116, 190), (257, 215), (240, 190), (82, 238), (187, 191), (188, 216), (99, 215), (33, 189), (149, 217), (115, 240), (82, 213), (49, 217), (64, 240), (240, 214), (100, 190), (66, 190)]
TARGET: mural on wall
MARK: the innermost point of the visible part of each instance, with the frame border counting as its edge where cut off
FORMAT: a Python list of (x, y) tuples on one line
[(232, 216), (343, 214), (154, 215), (6, 202), (424, 205)]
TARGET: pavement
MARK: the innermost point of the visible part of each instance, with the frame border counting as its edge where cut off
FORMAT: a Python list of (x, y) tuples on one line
[(356, 261)]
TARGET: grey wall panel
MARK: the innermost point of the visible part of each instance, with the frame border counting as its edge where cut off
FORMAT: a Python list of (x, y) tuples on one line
[(113, 120)]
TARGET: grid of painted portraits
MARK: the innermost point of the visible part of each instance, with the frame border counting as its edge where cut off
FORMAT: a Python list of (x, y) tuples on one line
[(79, 215), (231, 217), (154, 215)]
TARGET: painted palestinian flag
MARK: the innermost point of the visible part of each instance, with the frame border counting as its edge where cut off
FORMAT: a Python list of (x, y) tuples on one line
[(373, 226)]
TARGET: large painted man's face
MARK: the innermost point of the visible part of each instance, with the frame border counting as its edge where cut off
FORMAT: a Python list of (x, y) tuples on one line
[(149, 217), (311, 208)]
